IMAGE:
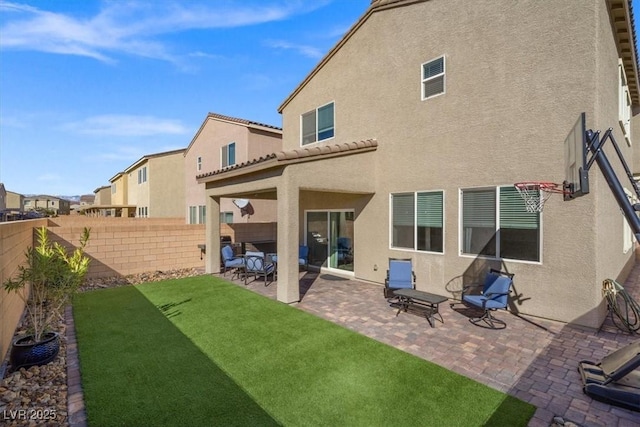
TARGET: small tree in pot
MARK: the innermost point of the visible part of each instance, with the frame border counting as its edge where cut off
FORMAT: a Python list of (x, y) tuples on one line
[(54, 275)]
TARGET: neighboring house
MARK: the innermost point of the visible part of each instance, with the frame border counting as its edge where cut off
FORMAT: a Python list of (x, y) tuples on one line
[(406, 139), (223, 142), (119, 205), (15, 201), (52, 204), (156, 185), (3, 203), (101, 205)]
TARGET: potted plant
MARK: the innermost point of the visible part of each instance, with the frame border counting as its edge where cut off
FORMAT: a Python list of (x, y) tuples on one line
[(50, 276)]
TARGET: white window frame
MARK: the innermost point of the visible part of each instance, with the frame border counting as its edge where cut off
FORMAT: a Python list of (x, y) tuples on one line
[(142, 175), (202, 214), (624, 102), (497, 213), (193, 215), (424, 80), (415, 219), (224, 215), (317, 140), (224, 155), (628, 238)]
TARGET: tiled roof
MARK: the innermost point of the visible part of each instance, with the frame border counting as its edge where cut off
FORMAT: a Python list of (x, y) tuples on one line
[(326, 149), (242, 121), (260, 159), (300, 154)]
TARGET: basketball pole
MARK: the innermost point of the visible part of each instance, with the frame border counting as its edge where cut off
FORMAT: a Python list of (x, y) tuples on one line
[(610, 176)]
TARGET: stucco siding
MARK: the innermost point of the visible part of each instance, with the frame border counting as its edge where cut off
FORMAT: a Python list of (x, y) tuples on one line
[(517, 77), (166, 186)]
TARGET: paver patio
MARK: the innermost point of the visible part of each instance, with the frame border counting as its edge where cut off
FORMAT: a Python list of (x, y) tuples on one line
[(533, 359)]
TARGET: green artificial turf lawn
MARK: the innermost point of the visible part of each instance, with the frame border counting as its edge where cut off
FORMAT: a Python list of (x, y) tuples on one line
[(201, 351)]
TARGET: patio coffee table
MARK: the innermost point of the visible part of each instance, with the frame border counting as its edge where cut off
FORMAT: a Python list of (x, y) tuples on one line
[(413, 297)]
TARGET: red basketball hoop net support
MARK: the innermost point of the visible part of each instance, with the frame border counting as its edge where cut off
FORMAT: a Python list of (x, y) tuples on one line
[(536, 193)]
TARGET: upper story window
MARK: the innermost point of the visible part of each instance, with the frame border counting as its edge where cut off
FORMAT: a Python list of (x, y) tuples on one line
[(318, 124), (495, 223), (199, 164), (433, 73), (624, 99), (142, 175), (228, 155), (417, 221)]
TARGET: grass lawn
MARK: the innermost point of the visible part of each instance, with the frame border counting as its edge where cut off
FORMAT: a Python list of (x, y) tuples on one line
[(201, 351)]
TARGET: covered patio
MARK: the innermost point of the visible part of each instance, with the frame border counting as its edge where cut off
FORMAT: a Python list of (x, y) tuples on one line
[(300, 180), (533, 359)]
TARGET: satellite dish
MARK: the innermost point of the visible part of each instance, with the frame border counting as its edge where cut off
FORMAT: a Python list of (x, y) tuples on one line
[(241, 203), (245, 206)]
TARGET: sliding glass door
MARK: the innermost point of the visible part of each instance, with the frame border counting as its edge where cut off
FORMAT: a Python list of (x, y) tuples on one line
[(330, 239)]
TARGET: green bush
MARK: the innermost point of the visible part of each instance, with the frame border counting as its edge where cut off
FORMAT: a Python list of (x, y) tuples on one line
[(54, 275)]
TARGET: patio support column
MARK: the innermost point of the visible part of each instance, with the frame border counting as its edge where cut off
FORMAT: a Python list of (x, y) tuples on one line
[(288, 240), (212, 240)]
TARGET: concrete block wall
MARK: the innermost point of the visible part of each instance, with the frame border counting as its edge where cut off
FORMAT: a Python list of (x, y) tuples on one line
[(15, 238), (123, 246)]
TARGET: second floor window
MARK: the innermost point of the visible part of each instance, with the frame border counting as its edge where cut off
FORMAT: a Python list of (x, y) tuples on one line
[(228, 155), (318, 124), (199, 164), (142, 175), (433, 78)]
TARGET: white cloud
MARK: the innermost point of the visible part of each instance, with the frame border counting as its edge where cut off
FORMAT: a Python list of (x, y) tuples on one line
[(306, 50), (126, 125), (132, 27)]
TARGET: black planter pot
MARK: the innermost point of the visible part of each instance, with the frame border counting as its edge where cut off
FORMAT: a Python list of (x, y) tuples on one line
[(26, 353)]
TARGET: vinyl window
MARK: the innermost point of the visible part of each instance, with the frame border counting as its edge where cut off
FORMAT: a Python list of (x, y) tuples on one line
[(318, 124), (624, 107), (142, 175), (496, 224), (228, 155), (433, 78), (417, 221), (226, 217)]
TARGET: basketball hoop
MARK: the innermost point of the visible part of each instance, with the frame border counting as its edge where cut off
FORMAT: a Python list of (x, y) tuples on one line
[(536, 193)]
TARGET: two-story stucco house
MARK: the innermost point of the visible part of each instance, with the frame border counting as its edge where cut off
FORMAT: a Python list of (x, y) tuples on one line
[(406, 139), (223, 142), (119, 205), (155, 185), (53, 204)]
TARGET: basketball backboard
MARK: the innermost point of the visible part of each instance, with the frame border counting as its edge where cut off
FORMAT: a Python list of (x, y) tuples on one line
[(575, 157)]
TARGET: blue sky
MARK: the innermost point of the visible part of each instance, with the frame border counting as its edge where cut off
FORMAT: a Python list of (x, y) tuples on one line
[(88, 87)]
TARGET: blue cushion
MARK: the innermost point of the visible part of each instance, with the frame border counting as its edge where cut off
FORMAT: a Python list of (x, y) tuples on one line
[(478, 300), (227, 253), (236, 262), (400, 274)]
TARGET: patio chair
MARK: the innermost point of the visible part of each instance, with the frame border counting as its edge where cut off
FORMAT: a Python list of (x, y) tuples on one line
[(494, 296), (400, 275), (303, 257), (230, 261), (256, 265)]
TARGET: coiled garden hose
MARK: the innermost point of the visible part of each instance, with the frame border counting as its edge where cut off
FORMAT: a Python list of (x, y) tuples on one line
[(625, 311)]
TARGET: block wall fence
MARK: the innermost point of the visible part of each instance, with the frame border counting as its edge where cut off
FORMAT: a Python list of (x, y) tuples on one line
[(117, 247), (15, 238)]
